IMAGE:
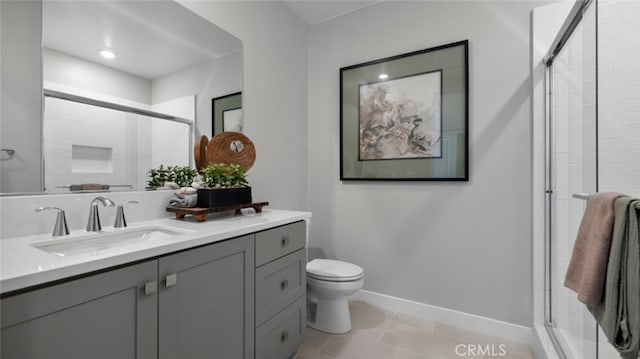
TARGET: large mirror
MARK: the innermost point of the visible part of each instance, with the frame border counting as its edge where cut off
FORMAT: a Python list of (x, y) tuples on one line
[(106, 120)]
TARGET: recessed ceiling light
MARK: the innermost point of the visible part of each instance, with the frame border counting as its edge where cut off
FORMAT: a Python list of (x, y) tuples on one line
[(107, 54), (383, 76)]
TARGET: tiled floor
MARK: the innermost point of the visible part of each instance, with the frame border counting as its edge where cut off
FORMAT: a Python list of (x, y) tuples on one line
[(381, 334)]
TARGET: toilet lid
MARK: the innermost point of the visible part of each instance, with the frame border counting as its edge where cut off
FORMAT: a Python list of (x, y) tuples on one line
[(332, 270)]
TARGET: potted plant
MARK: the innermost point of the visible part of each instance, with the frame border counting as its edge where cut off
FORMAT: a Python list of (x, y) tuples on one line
[(180, 175), (223, 185), (158, 176), (183, 175)]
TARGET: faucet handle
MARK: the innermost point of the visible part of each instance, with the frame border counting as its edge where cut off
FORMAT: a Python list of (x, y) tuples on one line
[(121, 221), (60, 229)]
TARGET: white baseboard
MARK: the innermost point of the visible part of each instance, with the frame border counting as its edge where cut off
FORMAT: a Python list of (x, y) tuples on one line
[(514, 332)]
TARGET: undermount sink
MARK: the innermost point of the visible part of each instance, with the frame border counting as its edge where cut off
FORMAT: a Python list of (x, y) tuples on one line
[(117, 240)]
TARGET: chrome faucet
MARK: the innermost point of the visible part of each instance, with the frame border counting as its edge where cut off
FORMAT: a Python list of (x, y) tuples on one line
[(60, 229), (93, 225), (121, 221)]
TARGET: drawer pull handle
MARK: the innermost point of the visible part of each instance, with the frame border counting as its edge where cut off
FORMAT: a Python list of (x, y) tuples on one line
[(284, 336), (284, 242), (171, 280), (284, 284), (150, 287)]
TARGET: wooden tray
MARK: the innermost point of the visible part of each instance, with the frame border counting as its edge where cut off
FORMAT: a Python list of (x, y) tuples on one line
[(201, 213)]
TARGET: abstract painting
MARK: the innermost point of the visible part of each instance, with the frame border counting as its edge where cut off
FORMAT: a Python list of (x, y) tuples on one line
[(401, 118), (232, 120)]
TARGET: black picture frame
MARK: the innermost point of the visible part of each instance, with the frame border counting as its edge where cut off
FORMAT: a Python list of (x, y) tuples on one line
[(412, 125), (219, 106)]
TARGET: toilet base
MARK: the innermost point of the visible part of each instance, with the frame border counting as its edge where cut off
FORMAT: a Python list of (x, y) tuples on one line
[(330, 315)]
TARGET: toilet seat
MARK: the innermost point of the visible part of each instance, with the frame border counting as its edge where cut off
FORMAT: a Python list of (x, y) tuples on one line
[(333, 271)]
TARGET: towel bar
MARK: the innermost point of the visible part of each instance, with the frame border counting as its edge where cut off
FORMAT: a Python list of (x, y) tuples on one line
[(584, 196)]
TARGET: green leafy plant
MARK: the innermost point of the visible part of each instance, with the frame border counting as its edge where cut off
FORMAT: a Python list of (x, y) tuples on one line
[(181, 175), (158, 176), (220, 175)]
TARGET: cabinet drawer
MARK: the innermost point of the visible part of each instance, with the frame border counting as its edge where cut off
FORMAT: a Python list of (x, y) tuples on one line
[(277, 242), (278, 284), (281, 335)]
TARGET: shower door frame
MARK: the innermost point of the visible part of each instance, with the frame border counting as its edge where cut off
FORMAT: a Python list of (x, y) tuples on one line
[(573, 19)]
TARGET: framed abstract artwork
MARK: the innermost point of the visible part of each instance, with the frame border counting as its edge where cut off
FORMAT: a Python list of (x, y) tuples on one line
[(226, 113), (406, 117), (232, 120)]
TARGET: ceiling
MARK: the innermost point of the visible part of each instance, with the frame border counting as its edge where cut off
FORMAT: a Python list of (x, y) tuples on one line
[(314, 12), (156, 38), (151, 38)]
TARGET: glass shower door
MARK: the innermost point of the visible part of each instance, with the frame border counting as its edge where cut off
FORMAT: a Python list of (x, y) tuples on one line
[(572, 169)]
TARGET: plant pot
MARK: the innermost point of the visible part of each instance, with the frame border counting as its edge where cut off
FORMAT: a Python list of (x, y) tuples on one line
[(220, 197)]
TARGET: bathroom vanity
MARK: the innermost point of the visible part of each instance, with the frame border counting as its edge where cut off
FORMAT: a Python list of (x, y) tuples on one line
[(232, 287)]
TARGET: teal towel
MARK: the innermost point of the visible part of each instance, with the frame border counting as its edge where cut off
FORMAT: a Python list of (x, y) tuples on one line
[(618, 311)]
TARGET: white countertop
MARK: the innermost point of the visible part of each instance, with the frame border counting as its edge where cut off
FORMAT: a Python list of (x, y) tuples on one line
[(22, 265)]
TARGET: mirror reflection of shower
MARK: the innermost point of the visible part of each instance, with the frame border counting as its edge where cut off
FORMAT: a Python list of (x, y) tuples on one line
[(89, 147)]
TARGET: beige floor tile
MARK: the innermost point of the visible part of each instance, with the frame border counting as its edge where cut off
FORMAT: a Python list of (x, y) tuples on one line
[(427, 343), (411, 321), (454, 332), (407, 337), (364, 347), (367, 320), (519, 350), (381, 334), (365, 316), (304, 353), (489, 343), (315, 339), (512, 348), (443, 347), (508, 356)]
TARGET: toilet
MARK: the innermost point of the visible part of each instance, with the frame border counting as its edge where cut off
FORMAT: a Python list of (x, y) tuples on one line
[(329, 283)]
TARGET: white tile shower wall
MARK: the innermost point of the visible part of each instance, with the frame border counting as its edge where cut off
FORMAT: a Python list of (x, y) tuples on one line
[(132, 143), (69, 124), (167, 136), (168, 143), (619, 96), (619, 107), (135, 146)]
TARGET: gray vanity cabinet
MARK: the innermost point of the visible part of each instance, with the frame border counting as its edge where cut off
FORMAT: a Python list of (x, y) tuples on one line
[(107, 315), (196, 303), (206, 302), (242, 298)]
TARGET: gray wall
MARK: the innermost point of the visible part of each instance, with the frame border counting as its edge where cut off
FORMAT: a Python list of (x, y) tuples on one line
[(462, 246), (78, 73), (207, 81), (20, 95), (274, 93)]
